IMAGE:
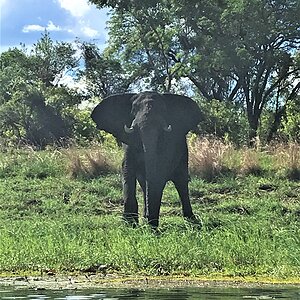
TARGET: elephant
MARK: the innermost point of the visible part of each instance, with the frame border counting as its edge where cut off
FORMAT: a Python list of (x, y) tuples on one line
[(152, 128)]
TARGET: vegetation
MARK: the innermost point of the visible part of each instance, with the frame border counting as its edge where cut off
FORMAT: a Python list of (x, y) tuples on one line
[(36, 108), (56, 217), (60, 207), (244, 52), (238, 59)]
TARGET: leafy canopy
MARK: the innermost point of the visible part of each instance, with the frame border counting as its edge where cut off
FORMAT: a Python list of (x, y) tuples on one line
[(244, 51)]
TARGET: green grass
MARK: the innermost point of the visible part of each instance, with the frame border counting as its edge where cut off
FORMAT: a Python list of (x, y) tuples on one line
[(50, 220)]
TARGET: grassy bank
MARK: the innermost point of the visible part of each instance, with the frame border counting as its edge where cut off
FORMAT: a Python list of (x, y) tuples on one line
[(60, 212)]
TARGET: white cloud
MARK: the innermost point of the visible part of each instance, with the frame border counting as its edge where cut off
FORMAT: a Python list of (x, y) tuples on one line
[(50, 27), (77, 8), (29, 28), (90, 32)]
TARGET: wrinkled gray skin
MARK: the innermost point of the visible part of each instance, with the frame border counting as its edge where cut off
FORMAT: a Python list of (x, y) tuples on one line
[(153, 128)]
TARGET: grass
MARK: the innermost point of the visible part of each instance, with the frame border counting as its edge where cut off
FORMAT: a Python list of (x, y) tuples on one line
[(57, 214)]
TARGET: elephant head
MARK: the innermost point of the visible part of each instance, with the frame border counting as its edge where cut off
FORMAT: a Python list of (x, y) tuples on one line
[(155, 125), (123, 115)]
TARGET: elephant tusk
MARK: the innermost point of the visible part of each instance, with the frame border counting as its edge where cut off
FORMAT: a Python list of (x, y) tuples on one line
[(168, 128), (128, 130)]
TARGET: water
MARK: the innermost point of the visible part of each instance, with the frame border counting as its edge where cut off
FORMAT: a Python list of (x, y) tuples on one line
[(155, 294)]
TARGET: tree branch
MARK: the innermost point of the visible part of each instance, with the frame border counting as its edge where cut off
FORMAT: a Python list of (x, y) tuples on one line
[(200, 87)]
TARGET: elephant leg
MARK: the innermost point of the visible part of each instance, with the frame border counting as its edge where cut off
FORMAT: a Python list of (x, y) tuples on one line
[(152, 200), (129, 188), (182, 189), (153, 203), (180, 180)]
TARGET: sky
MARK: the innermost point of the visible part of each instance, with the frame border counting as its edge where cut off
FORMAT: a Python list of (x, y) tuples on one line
[(23, 21)]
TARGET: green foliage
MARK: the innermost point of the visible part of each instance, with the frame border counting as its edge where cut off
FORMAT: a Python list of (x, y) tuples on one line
[(241, 56), (291, 122), (149, 41), (242, 51), (34, 108), (83, 127), (104, 74), (224, 120), (50, 61), (25, 117)]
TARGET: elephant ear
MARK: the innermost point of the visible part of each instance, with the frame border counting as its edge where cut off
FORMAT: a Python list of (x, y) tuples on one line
[(183, 113), (112, 113)]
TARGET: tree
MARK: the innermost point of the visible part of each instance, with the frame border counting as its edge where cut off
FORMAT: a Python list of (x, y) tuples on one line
[(243, 51), (50, 61), (145, 42), (33, 109), (103, 74)]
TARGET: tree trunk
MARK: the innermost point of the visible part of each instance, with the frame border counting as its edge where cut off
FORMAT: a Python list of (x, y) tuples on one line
[(253, 119), (276, 123)]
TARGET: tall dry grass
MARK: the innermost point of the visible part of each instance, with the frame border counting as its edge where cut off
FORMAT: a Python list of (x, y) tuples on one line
[(207, 157), (91, 163), (287, 159), (210, 158), (250, 163)]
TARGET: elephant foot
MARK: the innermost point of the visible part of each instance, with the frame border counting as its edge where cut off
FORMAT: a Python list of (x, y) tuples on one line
[(131, 219), (194, 220), (153, 223)]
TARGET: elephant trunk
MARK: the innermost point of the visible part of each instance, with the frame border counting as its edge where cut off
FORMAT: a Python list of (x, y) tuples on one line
[(154, 185)]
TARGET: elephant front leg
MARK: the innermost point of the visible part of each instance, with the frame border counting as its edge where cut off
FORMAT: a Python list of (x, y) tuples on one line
[(181, 185), (129, 190), (181, 180), (153, 203)]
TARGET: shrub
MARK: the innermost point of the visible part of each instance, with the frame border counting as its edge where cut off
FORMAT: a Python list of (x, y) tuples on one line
[(291, 121)]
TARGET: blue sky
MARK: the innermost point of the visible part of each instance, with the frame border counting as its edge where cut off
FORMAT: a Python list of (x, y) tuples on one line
[(23, 21)]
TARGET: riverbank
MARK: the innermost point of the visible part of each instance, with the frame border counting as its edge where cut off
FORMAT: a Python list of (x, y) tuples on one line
[(139, 282), (52, 222)]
